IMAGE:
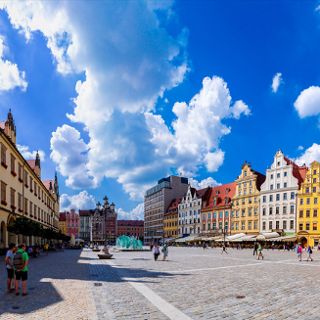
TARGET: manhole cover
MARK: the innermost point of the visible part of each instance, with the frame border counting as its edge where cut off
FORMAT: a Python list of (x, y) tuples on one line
[(15, 307), (240, 297), (97, 284)]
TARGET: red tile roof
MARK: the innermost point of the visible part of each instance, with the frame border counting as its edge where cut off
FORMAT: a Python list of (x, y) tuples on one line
[(221, 193), (47, 183), (298, 172), (174, 204), (32, 163)]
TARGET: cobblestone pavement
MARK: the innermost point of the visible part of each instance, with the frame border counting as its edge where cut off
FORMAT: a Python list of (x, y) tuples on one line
[(193, 284)]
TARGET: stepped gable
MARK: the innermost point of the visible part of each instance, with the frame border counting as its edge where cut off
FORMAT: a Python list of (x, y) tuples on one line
[(298, 172)]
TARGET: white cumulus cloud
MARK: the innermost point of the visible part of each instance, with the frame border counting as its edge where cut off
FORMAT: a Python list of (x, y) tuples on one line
[(70, 154), (197, 129), (276, 81), (309, 155), (136, 213), (308, 102), (81, 201), (208, 182), (10, 75), (30, 155)]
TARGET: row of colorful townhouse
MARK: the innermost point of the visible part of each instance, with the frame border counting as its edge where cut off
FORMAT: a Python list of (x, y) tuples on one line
[(285, 200)]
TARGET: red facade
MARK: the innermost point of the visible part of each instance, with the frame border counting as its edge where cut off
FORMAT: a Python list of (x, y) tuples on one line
[(131, 228)]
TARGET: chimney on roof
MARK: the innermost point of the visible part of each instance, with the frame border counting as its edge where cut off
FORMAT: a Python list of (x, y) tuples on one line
[(10, 128)]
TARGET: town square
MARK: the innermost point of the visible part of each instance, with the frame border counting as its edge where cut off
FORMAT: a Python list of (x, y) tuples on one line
[(159, 159), (192, 284)]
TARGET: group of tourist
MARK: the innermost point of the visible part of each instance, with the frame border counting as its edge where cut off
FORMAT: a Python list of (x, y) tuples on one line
[(16, 261), (156, 251)]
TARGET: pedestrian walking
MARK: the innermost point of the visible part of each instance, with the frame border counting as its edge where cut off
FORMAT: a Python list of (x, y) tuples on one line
[(224, 249), (156, 251), (20, 263), (309, 251), (299, 252), (10, 267), (255, 249), (46, 248), (260, 254), (165, 251)]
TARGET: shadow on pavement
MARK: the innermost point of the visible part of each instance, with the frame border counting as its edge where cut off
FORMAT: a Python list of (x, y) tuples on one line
[(67, 265)]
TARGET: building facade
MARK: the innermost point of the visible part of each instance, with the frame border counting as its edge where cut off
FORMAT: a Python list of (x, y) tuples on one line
[(216, 212), (278, 195), (62, 223), (170, 220), (245, 203), (85, 224), (104, 223), (72, 223), (130, 228), (22, 192), (189, 211), (156, 202), (308, 225)]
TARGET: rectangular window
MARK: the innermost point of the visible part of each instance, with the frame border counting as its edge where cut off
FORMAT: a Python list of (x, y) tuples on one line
[(285, 196), (243, 225), (271, 177), (35, 189), (263, 211), (271, 187), (308, 200), (270, 198), (277, 197), (263, 225), (285, 174), (3, 193), (315, 213), (292, 209), (270, 211), (26, 178), (314, 226), (301, 214), (292, 195), (277, 225), (307, 190), (3, 155), (277, 210), (30, 208), (308, 213), (13, 165), (20, 172), (300, 226), (20, 202), (307, 226), (314, 189), (314, 180), (315, 200), (284, 224), (284, 209), (291, 224), (270, 225), (31, 184), (284, 184), (278, 175), (12, 198), (301, 201), (264, 198), (250, 225), (255, 224), (278, 185), (25, 206)]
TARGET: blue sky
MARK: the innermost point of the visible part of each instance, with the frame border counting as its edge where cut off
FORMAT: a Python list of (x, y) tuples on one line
[(145, 89)]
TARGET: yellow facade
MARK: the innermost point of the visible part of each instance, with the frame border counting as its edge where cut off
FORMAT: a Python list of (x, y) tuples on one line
[(63, 227), (170, 223), (308, 221), (245, 203), (22, 192)]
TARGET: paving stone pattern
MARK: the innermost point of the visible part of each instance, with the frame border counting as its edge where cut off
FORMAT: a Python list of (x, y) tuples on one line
[(203, 284)]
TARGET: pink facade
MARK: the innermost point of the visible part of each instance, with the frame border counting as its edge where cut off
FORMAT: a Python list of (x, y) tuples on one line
[(72, 223)]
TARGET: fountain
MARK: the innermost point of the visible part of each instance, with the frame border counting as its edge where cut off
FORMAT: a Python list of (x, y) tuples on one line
[(126, 243)]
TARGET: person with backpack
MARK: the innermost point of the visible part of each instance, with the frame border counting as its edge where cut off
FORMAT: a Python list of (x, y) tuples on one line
[(20, 263), (309, 251), (9, 266)]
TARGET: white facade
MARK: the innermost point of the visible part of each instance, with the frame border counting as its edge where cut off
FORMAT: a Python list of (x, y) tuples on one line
[(189, 213), (278, 196)]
